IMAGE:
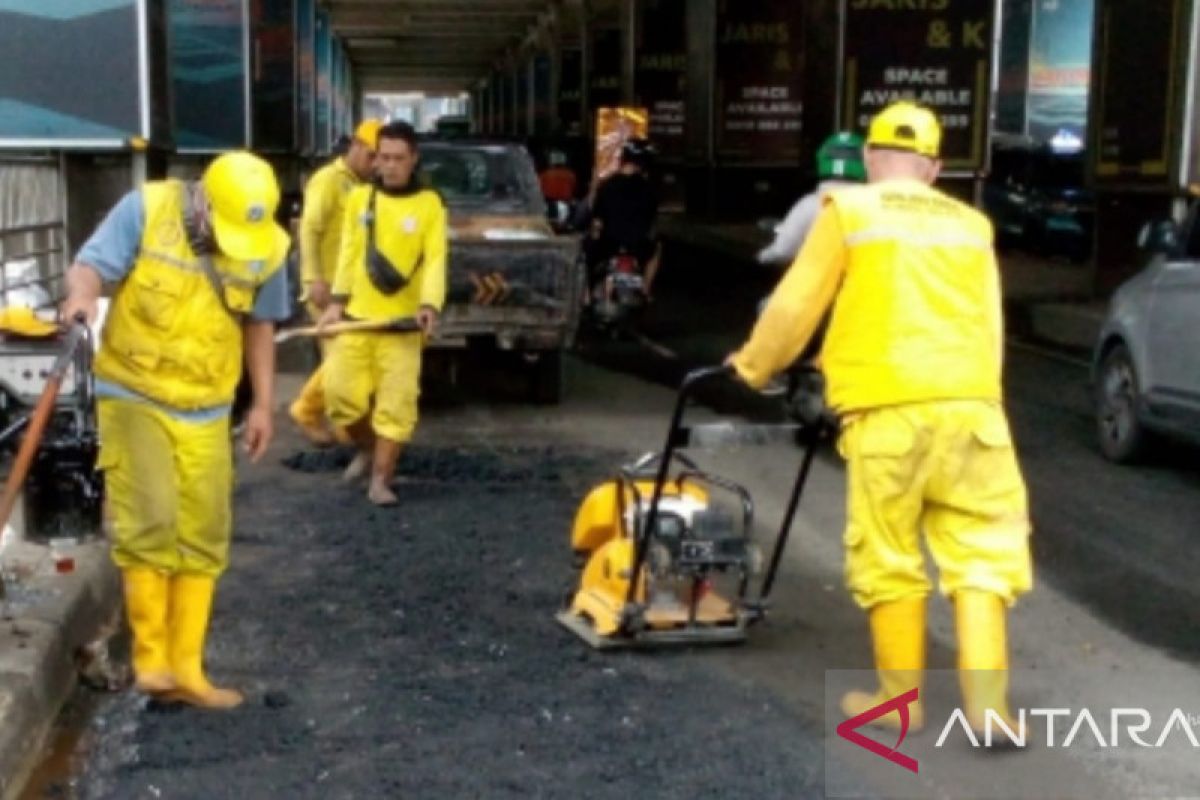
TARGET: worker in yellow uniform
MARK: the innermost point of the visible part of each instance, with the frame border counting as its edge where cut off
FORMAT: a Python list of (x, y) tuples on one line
[(320, 242), (912, 360), (392, 265), (196, 270)]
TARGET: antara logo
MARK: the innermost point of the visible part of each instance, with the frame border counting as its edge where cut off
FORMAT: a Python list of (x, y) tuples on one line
[(848, 730)]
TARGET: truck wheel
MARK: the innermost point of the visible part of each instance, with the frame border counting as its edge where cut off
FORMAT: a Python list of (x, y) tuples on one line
[(546, 378)]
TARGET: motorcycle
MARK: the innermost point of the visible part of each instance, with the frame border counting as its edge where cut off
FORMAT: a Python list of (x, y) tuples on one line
[(617, 294)]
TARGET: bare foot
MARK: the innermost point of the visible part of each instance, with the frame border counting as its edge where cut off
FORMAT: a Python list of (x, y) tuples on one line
[(381, 494), (359, 466), (316, 432)]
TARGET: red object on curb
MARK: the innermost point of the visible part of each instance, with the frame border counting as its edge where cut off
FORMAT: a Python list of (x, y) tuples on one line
[(64, 564)]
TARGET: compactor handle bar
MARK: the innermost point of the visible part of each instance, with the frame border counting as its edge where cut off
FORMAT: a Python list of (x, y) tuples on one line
[(692, 380)]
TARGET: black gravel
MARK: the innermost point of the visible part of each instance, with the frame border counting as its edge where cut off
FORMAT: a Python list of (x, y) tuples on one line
[(413, 653)]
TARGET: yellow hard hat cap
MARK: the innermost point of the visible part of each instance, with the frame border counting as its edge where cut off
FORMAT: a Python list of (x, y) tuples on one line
[(367, 132), (906, 126), (22, 321), (243, 194)]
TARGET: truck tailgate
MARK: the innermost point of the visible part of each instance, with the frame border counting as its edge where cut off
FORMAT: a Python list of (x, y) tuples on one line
[(497, 287)]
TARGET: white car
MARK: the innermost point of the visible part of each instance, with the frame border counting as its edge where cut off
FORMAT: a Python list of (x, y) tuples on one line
[(1146, 367)]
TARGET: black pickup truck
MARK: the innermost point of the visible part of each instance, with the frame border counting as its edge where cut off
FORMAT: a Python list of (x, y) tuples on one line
[(512, 282)]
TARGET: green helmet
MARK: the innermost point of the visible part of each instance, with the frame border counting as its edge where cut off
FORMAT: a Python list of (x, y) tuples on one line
[(840, 156)]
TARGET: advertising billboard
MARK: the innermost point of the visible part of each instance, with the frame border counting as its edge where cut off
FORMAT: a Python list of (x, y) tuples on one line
[(570, 89), (1012, 90), (1060, 62), (274, 83), (604, 81), (760, 80), (1138, 130), (543, 111), (324, 64), (73, 73), (306, 75), (209, 68), (937, 53), (614, 127), (660, 77)]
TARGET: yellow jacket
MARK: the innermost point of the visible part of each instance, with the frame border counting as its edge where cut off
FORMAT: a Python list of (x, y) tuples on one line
[(410, 230), (168, 336), (915, 290), (321, 225)]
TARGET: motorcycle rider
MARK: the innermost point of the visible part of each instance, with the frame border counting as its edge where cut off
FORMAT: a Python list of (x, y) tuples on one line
[(839, 164), (624, 214)]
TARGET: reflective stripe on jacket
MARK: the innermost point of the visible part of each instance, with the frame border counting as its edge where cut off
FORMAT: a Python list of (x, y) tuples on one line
[(916, 301)]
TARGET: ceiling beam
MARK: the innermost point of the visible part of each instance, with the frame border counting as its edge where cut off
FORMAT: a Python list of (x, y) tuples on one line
[(420, 44)]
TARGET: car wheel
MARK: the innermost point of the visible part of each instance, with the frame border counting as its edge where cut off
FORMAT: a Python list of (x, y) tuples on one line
[(1122, 436)]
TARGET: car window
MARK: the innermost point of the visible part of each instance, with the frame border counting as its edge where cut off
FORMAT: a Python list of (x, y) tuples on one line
[(457, 173), (489, 178)]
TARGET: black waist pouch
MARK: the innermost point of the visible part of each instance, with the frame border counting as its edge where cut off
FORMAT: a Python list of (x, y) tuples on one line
[(380, 269)]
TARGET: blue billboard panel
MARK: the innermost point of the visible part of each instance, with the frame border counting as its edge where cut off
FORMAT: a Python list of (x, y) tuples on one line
[(274, 75), (306, 75), (209, 60), (1060, 63), (72, 72), (324, 114)]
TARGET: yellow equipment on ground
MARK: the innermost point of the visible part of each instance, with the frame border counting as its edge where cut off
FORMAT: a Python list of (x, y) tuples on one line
[(666, 549), (22, 321)]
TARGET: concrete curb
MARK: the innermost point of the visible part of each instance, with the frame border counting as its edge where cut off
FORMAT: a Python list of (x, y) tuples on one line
[(46, 619)]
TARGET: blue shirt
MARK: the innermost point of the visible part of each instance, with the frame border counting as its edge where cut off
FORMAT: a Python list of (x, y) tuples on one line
[(112, 250)]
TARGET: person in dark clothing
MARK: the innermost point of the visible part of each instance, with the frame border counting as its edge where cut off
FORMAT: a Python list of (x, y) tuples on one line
[(624, 214)]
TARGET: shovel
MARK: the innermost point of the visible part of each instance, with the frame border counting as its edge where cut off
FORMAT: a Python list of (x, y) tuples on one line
[(398, 325)]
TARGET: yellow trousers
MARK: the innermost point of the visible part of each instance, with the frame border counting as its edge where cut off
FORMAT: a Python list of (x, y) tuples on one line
[(380, 367), (168, 485), (945, 468), (309, 406)]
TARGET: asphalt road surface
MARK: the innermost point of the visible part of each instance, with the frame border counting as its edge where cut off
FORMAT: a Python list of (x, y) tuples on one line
[(413, 652)]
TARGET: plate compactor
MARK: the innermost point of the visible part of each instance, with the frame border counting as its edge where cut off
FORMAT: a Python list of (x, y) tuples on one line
[(666, 548)]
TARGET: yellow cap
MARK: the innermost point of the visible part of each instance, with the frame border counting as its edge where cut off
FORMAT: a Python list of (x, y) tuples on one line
[(243, 194), (367, 132), (22, 321), (906, 126)]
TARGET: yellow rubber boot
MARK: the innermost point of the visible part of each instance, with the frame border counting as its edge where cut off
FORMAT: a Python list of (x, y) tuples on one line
[(898, 635), (982, 656), (147, 598), (191, 605), (308, 410)]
